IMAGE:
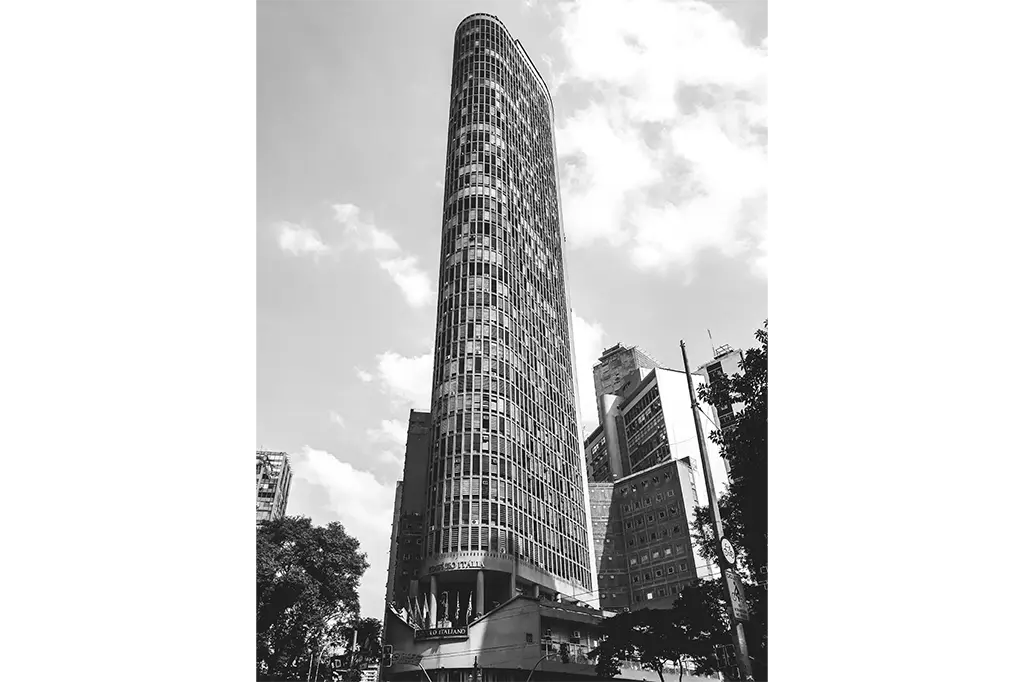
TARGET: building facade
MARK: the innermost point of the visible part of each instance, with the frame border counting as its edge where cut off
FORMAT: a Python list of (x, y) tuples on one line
[(407, 524), (619, 370), (646, 479), (506, 499), (726, 362), (273, 483), (523, 638)]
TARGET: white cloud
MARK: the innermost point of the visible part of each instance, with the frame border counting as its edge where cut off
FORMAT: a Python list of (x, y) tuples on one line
[(337, 419), (363, 235), (363, 505), (389, 434), (389, 430), (669, 158), (413, 282), (407, 380), (299, 240), (363, 375), (605, 163), (588, 342)]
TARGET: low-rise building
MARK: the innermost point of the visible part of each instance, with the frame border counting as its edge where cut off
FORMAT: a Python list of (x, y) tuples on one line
[(522, 636)]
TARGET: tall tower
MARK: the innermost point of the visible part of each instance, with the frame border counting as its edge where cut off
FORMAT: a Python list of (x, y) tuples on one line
[(507, 507)]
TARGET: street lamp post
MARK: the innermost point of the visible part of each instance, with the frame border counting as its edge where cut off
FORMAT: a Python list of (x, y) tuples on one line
[(543, 658)]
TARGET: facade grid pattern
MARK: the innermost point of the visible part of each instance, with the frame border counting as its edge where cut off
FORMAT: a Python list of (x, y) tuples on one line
[(504, 473)]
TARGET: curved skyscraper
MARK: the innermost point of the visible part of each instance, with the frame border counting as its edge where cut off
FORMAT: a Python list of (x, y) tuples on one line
[(506, 503)]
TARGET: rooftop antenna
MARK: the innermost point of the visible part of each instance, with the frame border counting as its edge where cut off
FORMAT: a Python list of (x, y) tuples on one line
[(712, 343)]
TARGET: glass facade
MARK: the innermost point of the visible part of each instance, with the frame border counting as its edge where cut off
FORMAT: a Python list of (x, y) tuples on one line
[(504, 473)]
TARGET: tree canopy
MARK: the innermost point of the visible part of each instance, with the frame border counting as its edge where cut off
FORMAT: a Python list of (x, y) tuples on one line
[(304, 575), (648, 636)]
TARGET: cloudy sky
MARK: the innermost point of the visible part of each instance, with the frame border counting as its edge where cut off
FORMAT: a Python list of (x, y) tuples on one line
[(661, 128)]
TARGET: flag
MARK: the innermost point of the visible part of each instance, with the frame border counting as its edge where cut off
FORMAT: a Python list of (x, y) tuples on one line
[(445, 605), (457, 614), (469, 607)]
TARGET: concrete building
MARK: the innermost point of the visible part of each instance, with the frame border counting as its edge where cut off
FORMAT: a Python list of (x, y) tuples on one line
[(648, 554), (508, 573), (506, 526), (518, 637), (725, 363), (273, 482), (407, 523), (619, 370), (651, 424), (506, 497)]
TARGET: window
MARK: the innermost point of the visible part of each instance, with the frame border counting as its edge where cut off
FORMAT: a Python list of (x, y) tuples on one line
[(529, 638)]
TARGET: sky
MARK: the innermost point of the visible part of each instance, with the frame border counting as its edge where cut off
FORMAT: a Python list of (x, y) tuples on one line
[(661, 130)]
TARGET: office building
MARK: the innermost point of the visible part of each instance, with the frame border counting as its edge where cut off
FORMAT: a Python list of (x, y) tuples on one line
[(407, 524), (508, 567), (506, 477), (726, 362), (644, 540), (273, 482)]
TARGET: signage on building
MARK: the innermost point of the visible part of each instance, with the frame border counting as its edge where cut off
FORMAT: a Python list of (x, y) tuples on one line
[(465, 561), (443, 633), (737, 597)]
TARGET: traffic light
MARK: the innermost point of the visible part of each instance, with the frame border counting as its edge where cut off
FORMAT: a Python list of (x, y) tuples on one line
[(386, 657), (725, 655)]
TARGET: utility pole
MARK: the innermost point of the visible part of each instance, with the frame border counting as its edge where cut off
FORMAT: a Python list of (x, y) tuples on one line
[(739, 639)]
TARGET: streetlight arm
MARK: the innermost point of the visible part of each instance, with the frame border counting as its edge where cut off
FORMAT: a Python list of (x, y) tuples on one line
[(544, 658)]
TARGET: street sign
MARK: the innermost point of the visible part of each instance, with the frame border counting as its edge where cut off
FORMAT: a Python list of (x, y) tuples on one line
[(728, 551), (406, 658), (737, 598)]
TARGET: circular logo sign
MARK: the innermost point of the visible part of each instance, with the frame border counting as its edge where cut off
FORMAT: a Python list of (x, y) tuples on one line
[(728, 551)]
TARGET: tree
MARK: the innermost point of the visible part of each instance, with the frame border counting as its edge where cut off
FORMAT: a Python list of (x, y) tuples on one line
[(702, 622), (368, 650), (649, 637), (304, 574)]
